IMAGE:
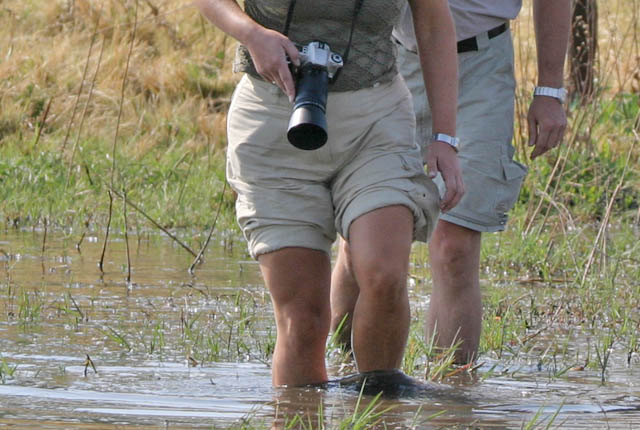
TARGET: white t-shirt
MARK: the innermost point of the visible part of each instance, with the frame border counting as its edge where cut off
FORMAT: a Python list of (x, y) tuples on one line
[(471, 17)]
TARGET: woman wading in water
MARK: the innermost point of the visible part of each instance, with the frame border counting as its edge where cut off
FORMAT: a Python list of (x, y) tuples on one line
[(366, 183)]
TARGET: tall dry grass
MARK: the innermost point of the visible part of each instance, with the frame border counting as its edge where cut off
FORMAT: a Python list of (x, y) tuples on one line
[(178, 82)]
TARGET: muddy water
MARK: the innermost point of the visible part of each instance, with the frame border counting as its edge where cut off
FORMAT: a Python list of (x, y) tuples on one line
[(89, 350)]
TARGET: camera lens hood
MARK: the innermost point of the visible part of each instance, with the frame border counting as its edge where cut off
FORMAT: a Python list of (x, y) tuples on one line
[(307, 127)]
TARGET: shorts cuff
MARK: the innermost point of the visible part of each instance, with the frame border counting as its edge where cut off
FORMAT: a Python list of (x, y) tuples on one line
[(368, 203), (272, 238), (471, 225)]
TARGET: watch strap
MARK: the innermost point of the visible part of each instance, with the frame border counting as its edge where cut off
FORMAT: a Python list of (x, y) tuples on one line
[(450, 140), (556, 93)]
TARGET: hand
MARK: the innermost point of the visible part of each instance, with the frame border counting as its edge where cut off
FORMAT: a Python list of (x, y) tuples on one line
[(269, 50), (441, 157), (547, 123)]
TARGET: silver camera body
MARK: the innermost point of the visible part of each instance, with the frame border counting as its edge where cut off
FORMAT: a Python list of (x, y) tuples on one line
[(319, 54)]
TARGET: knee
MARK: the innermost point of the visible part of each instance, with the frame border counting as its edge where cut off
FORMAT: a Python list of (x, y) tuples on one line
[(454, 247), (305, 324), (386, 283)]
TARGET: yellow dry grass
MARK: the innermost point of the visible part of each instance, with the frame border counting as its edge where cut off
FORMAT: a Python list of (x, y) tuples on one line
[(179, 78), (178, 82)]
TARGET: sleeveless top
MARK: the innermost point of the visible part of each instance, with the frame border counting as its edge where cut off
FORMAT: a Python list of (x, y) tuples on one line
[(372, 55)]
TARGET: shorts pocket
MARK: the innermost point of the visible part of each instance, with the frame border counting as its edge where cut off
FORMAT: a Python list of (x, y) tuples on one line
[(492, 188), (513, 174)]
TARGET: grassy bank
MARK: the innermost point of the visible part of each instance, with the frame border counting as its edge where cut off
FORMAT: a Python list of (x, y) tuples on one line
[(123, 96)]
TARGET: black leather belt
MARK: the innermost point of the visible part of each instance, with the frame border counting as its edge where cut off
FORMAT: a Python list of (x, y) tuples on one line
[(471, 44)]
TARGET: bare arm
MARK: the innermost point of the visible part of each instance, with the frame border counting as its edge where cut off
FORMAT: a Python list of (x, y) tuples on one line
[(547, 119), (435, 34), (268, 48)]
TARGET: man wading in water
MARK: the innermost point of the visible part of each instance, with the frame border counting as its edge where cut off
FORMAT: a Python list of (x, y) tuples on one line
[(492, 178)]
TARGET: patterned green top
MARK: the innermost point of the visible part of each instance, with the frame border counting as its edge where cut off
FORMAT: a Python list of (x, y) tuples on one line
[(372, 55)]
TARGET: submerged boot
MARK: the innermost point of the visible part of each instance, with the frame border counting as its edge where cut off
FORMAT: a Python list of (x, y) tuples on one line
[(391, 383)]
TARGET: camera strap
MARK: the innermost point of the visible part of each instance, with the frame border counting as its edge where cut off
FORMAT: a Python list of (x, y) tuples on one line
[(354, 19)]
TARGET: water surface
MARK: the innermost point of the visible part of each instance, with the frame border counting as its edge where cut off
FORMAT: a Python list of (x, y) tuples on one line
[(170, 349)]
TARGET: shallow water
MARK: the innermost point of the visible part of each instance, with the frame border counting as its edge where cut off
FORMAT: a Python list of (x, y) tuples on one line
[(179, 350)]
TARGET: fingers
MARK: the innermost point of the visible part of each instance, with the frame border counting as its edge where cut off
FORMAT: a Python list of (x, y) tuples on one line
[(454, 189), (269, 51), (288, 85), (442, 158), (547, 122), (549, 136), (543, 141), (292, 52), (432, 166)]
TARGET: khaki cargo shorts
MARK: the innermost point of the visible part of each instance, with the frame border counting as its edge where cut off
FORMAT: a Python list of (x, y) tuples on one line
[(492, 178), (289, 197)]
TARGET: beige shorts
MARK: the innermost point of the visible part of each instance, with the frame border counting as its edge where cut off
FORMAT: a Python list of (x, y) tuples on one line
[(288, 197), (492, 178)]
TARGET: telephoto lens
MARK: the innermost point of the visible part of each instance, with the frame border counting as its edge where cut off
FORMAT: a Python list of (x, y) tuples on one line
[(308, 123)]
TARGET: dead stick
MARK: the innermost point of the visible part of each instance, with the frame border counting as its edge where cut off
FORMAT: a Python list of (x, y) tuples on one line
[(106, 236), (115, 138), (206, 243), (155, 223), (84, 233), (44, 238), (42, 123), (126, 235), (75, 305)]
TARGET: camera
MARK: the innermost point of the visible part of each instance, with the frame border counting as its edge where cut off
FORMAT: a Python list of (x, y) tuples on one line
[(308, 124)]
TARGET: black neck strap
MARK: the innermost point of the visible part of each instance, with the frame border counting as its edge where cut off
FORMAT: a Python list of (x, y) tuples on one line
[(354, 18)]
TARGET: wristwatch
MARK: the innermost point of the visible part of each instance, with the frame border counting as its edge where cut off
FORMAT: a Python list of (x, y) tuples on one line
[(441, 137), (556, 93)]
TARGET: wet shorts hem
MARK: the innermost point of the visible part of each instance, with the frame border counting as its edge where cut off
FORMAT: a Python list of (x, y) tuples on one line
[(370, 202), (273, 238), (483, 228)]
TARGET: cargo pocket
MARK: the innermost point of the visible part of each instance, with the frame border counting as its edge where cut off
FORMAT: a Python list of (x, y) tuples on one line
[(507, 194), (491, 190)]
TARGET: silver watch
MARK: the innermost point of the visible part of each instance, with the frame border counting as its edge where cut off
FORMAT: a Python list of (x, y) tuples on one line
[(556, 93), (441, 137)]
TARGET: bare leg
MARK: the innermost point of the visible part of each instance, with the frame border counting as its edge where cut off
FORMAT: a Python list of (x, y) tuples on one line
[(380, 243), (455, 312), (344, 294), (299, 280)]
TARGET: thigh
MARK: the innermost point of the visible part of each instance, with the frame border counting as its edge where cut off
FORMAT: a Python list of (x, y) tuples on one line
[(380, 241), (298, 280)]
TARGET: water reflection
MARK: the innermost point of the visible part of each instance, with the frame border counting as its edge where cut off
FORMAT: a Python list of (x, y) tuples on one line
[(177, 350)]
